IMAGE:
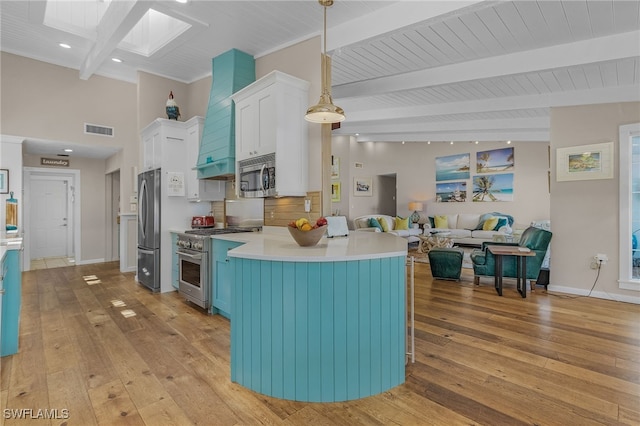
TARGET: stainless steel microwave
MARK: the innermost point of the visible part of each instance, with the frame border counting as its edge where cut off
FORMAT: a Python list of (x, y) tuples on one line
[(257, 176)]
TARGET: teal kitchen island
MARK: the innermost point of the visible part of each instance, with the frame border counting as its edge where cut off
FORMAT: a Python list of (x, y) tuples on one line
[(318, 324)]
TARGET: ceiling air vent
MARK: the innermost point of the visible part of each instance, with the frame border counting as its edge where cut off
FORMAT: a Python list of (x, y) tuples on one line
[(95, 129)]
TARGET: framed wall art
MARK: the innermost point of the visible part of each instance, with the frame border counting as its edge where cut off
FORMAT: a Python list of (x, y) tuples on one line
[(495, 160), (585, 162), (491, 188), (335, 192), (448, 192), (4, 181), (362, 187), (335, 167), (452, 167)]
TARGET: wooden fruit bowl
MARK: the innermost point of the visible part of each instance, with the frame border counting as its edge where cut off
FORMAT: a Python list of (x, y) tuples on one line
[(307, 238)]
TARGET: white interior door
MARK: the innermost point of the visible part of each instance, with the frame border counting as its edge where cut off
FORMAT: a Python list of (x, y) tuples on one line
[(49, 217)]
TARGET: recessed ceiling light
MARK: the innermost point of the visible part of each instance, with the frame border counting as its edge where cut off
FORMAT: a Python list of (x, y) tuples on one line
[(428, 142), (182, 1), (67, 150), (451, 143), (508, 142), (118, 60), (477, 142), (64, 45)]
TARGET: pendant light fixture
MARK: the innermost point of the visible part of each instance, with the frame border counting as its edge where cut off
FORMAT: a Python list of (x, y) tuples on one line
[(325, 111)]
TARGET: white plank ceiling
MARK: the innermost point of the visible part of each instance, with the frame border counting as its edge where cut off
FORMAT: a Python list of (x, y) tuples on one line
[(411, 71)]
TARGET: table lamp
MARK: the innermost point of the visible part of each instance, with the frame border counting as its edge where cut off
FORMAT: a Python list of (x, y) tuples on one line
[(416, 207)]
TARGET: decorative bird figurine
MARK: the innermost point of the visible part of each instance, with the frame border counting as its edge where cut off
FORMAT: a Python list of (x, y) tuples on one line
[(173, 112)]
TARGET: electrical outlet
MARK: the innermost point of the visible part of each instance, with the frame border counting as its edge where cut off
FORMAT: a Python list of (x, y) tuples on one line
[(601, 258), (307, 206)]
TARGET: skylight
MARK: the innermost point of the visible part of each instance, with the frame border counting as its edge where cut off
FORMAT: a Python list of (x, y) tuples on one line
[(154, 31), (75, 17)]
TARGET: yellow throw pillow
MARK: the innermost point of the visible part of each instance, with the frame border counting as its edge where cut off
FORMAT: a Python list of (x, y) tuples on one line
[(401, 223), (490, 223), (384, 224), (442, 222)]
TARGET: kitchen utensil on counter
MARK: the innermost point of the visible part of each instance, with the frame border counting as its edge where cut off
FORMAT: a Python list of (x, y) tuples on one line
[(202, 222)]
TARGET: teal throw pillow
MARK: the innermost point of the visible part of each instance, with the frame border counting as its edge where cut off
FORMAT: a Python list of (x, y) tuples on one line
[(432, 222), (501, 222), (373, 223)]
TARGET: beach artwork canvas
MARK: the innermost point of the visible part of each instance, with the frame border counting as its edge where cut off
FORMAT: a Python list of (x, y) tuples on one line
[(453, 167), (495, 160), (497, 187), (451, 192)]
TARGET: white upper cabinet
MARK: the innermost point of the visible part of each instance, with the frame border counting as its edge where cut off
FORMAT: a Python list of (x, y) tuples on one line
[(270, 119), (255, 124), (173, 145), (163, 145), (199, 189), (270, 115)]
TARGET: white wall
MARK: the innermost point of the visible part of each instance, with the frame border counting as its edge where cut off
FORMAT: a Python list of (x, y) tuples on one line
[(414, 166), (11, 160), (584, 214)]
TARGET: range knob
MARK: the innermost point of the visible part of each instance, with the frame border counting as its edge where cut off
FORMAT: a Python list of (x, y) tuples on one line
[(197, 245)]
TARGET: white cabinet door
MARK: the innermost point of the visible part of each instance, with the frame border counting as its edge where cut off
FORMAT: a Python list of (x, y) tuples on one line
[(256, 124), (152, 150), (267, 124), (199, 189), (193, 145)]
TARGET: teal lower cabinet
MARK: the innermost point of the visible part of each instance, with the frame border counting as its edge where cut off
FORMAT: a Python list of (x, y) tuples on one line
[(318, 331), (11, 302), (222, 277)]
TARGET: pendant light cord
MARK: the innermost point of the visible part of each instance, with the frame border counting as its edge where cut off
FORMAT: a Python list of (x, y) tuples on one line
[(324, 55)]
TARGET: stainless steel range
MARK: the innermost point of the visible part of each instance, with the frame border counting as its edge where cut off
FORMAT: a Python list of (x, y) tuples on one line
[(193, 250)]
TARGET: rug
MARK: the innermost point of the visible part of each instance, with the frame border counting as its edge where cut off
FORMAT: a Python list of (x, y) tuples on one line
[(424, 258)]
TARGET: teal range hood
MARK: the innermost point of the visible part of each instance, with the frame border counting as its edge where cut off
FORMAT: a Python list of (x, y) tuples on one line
[(232, 71)]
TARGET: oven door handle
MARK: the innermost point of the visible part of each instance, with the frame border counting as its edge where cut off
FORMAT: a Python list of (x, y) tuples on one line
[(192, 256)]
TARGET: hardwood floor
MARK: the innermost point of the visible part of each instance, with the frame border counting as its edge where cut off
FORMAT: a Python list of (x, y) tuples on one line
[(480, 359)]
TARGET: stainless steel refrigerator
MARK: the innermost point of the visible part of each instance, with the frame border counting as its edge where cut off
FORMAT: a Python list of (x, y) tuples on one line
[(149, 229)]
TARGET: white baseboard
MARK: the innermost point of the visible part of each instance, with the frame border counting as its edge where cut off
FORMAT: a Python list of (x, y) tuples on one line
[(90, 261), (596, 294)]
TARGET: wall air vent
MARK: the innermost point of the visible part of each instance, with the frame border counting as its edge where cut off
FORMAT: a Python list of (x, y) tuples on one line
[(94, 129)]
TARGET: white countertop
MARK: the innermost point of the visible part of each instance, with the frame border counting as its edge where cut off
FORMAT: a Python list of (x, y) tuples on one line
[(9, 242), (275, 243)]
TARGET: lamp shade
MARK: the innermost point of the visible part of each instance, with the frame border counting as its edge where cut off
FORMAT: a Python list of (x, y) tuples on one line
[(416, 206), (325, 111)]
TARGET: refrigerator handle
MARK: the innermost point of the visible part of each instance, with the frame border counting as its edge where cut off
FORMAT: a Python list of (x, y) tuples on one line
[(142, 214)]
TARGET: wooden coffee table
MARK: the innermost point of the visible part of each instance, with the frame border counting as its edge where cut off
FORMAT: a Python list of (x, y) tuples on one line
[(435, 239)]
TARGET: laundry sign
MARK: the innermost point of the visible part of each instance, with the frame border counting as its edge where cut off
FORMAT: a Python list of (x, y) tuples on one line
[(59, 162)]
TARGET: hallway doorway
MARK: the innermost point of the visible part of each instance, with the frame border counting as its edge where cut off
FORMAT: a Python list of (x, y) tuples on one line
[(51, 217)]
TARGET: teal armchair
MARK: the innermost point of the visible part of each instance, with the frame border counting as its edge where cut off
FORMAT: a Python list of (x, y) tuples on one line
[(537, 240)]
